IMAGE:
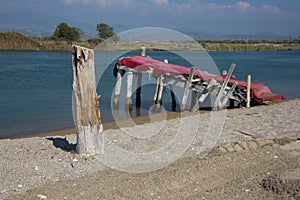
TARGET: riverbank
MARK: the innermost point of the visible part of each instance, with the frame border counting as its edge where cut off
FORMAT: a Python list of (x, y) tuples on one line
[(256, 156), (17, 41)]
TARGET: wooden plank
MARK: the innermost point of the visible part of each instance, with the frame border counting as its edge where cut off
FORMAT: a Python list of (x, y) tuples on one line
[(186, 89), (156, 91), (217, 103), (209, 88), (88, 119), (129, 90), (229, 93), (248, 90)]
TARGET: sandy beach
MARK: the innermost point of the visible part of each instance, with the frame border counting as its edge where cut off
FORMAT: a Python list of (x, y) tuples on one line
[(251, 153)]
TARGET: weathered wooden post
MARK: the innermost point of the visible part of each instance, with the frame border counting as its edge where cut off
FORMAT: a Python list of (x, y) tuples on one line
[(139, 89), (138, 100), (186, 88), (158, 102), (218, 103), (129, 90), (118, 88), (88, 121), (228, 95), (209, 88), (248, 90)]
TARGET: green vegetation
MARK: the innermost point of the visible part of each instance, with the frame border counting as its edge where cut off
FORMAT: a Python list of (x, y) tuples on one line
[(250, 45), (62, 39), (64, 36), (17, 41), (105, 31), (64, 32)]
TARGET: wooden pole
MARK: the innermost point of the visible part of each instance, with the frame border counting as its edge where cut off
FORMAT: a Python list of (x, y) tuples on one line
[(248, 91), (217, 104), (129, 90), (186, 89), (209, 88), (160, 91), (88, 121), (139, 90), (229, 93), (156, 90), (118, 87)]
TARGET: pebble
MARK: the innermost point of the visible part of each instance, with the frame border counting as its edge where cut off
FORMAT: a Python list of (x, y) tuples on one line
[(36, 168), (41, 196)]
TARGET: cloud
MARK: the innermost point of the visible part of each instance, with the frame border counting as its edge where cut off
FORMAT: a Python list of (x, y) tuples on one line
[(243, 6), (161, 1), (270, 9), (101, 3), (213, 6), (70, 1)]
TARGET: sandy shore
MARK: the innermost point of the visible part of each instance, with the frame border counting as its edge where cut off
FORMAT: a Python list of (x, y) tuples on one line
[(234, 154)]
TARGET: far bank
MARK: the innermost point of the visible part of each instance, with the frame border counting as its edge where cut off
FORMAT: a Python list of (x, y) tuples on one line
[(18, 41)]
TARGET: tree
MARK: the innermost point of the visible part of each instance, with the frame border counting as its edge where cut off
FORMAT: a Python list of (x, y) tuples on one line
[(64, 32), (105, 31)]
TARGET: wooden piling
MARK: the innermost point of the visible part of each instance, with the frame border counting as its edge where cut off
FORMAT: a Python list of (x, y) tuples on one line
[(218, 104), (248, 91), (209, 88), (228, 95), (186, 88), (118, 87), (88, 119), (138, 90), (129, 90), (159, 94)]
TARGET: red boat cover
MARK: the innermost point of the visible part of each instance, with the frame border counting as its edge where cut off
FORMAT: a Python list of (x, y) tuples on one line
[(260, 92)]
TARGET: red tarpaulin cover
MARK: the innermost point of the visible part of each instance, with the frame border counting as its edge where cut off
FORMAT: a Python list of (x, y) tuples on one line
[(260, 92)]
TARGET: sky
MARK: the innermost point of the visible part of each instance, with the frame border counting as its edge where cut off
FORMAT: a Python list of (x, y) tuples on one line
[(221, 17)]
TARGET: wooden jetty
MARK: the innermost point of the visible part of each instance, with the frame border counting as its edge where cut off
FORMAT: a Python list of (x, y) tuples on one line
[(226, 88)]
